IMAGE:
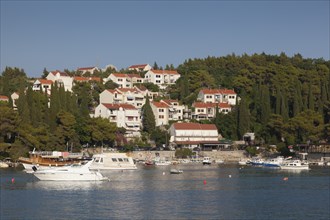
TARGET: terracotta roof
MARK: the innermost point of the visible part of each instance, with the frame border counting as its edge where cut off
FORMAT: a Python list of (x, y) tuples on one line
[(160, 104), (218, 91), (138, 66), (113, 91), (117, 106), (194, 126), (127, 90), (123, 75), (86, 68), (170, 101), (45, 81), (61, 73), (165, 71), (134, 75), (4, 98)]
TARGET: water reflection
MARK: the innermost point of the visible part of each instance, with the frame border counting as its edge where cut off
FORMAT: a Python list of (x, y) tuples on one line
[(65, 185)]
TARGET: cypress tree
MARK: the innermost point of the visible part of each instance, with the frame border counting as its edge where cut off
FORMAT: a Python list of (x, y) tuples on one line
[(23, 107), (148, 117), (278, 101), (284, 107), (310, 98), (265, 105), (243, 118)]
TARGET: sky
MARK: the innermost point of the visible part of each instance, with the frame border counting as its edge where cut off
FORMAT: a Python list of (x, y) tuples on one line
[(59, 35)]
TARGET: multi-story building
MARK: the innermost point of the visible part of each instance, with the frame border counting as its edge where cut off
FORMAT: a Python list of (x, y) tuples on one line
[(217, 96), (167, 110), (162, 78), (43, 85), (124, 115), (62, 78), (203, 111), (192, 135), (124, 80)]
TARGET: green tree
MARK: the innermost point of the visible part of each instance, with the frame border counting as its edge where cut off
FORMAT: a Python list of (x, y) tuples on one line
[(148, 117)]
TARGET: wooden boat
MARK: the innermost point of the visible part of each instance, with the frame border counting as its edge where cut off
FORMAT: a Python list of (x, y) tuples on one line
[(48, 159)]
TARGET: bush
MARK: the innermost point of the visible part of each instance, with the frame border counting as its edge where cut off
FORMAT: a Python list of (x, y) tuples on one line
[(183, 153)]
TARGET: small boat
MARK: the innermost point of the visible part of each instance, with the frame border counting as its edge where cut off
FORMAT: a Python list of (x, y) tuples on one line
[(294, 165), (273, 162), (112, 161), (73, 172), (206, 161), (162, 163), (3, 164), (243, 162), (256, 161), (176, 171), (149, 163)]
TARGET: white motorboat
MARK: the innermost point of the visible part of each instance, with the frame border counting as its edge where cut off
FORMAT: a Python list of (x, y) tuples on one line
[(256, 161), (176, 171), (206, 161), (294, 165), (73, 172), (273, 162), (112, 161), (244, 162), (161, 162)]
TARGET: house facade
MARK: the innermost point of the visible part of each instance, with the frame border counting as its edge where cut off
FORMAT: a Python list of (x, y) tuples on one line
[(205, 111), (125, 80), (14, 96), (4, 98), (43, 85), (62, 78), (124, 115), (162, 78), (194, 135), (217, 96)]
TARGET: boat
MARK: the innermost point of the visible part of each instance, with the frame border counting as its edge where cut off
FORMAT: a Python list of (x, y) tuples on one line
[(243, 162), (176, 171), (48, 159), (74, 172), (294, 165), (112, 161), (256, 161), (3, 164), (273, 162), (206, 161), (161, 162)]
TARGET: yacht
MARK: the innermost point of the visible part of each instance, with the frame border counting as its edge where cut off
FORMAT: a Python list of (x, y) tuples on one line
[(112, 161), (74, 172), (273, 162), (294, 165), (207, 161)]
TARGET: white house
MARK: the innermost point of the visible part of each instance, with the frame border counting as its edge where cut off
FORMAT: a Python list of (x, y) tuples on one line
[(175, 110), (62, 78), (160, 110), (91, 70), (162, 78), (217, 96), (192, 135), (208, 110), (43, 85), (124, 80), (124, 115), (140, 67), (4, 98)]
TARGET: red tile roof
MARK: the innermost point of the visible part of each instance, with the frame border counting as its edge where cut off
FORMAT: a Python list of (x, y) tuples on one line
[(59, 72), (194, 126), (165, 71), (134, 75), (210, 105), (170, 101), (117, 106), (123, 75), (45, 81), (218, 91), (4, 98), (127, 90), (113, 91), (160, 104)]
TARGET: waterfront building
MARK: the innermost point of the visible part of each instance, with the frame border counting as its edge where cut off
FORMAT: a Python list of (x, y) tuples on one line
[(194, 135)]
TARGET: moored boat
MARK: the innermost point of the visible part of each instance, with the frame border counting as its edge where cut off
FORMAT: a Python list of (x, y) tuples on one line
[(207, 161), (256, 161), (74, 172), (294, 165), (273, 162), (176, 171), (3, 164), (112, 161)]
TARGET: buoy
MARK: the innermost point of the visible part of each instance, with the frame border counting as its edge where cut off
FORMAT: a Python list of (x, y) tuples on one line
[(204, 182), (285, 178), (163, 173), (13, 180), (229, 176)]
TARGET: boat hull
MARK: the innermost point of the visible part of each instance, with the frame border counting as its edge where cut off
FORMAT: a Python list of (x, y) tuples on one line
[(49, 176)]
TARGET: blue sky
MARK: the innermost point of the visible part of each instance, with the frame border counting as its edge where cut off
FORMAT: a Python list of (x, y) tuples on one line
[(71, 34)]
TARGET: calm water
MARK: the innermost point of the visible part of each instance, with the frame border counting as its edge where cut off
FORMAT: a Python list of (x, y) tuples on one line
[(201, 192)]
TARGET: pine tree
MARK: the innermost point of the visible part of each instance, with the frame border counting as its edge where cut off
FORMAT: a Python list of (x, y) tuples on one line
[(310, 98), (148, 117), (265, 105)]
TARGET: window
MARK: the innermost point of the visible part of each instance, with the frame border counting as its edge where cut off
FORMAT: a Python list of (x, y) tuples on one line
[(157, 81), (157, 76), (120, 80), (114, 159), (161, 117), (161, 110)]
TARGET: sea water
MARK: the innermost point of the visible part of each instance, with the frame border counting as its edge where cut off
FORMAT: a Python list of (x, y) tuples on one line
[(200, 192)]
